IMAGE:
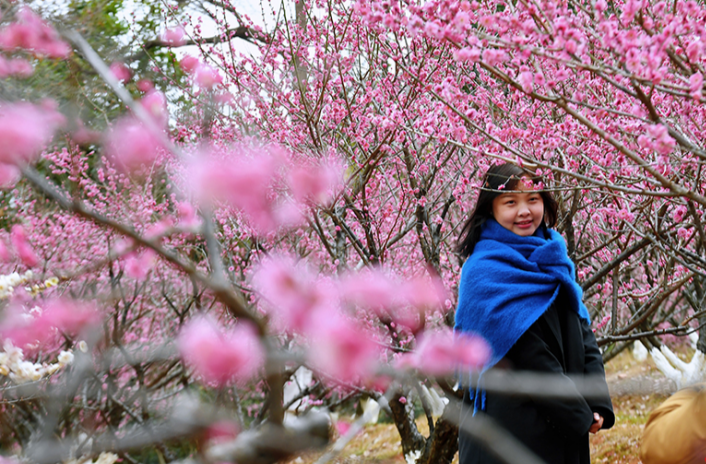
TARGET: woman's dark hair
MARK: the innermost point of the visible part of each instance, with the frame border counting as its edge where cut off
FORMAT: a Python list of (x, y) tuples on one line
[(498, 180)]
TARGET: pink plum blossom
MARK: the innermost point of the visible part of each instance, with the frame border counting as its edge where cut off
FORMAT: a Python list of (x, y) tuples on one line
[(159, 229), (694, 50), (15, 67), (494, 57), (130, 145), (138, 266), (315, 183), (156, 105), (5, 256), (174, 37), (221, 431), (9, 175), (121, 72), (207, 76), (70, 317), (189, 63), (145, 85), (341, 349), (32, 33), (372, 289), (224, 98), (25, 129), (342, 427), (526, 80), (22, 247), (663, 143), (603, 323), (467, 54), (696, 82), (293, 295), (187, 215), (424, 293), (244, 181), (441, 352), (220, 356), (680, 213)]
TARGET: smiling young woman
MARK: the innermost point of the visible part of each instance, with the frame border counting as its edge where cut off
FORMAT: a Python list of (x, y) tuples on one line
[(518, 292)]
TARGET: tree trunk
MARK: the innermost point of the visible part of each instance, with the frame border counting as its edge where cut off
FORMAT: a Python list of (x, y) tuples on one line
[(403, 414), (442, 444)]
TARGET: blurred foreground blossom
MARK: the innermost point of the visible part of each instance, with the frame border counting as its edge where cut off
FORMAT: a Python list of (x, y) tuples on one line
[(189, 63), (207, 76), (294, 299), (404, 301), (341, 349), (317, 183), (9, 175), (156, 105), (221, 431), (217, 356), (372, 289), (17, 67), (245, 181), (71, 317), (174, 37), (138, 266), (5, 256), (25, 129), (131, 145), (121, 72), (188, 216), (30, 32), (22, 247), (441, 352)]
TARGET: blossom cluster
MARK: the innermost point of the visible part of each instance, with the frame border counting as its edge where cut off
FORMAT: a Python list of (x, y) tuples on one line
[(14, 366), (332, 320), (39, 325), (10, 281), (28, 33)]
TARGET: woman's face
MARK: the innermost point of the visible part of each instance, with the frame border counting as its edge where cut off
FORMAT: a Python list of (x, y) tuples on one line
[(521, 211)]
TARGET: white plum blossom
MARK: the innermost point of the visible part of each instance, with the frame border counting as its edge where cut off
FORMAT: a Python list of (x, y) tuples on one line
[(65, 358), (14, 366), (26, 371), (10, 281)]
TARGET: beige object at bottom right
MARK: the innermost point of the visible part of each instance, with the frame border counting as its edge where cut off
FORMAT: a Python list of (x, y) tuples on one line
[(675, 433)]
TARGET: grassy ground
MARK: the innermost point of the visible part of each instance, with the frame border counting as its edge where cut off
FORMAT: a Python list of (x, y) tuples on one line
[(379, 444)]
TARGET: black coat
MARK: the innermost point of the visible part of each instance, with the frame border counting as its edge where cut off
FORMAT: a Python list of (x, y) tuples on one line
[(554, 429)]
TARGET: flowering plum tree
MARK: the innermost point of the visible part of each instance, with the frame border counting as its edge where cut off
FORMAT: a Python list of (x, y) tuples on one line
[(302, 210)]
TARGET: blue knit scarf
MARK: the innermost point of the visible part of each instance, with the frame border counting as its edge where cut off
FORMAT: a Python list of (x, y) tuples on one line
[(509, 282)]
